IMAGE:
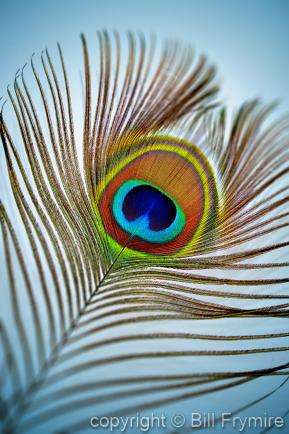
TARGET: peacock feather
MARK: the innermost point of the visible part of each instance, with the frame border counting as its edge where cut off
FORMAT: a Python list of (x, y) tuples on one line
[(143, 242)]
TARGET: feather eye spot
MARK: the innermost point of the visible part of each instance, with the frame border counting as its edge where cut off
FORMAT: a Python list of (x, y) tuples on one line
[(144, 199), (145, 211), (159, 197)]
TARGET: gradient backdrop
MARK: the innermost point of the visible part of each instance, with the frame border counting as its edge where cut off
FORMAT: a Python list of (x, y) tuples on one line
[(248, 40)]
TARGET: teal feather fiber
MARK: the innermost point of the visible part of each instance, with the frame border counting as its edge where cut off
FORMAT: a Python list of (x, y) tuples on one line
[(91, 325)]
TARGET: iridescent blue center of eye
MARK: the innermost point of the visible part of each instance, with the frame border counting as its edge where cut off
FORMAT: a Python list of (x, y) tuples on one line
[(145, 200), (143, 210)]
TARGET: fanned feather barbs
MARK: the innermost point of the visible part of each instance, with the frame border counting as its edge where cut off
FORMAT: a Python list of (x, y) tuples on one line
[(151, 272)]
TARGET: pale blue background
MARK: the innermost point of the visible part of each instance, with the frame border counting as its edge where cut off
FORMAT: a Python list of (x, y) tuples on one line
[(248, 39)]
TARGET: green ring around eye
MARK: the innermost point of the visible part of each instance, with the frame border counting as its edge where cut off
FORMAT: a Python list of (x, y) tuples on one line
[(144, 210)]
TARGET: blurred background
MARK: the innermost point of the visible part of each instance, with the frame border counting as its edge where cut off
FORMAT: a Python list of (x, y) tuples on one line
[(248, 40)]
